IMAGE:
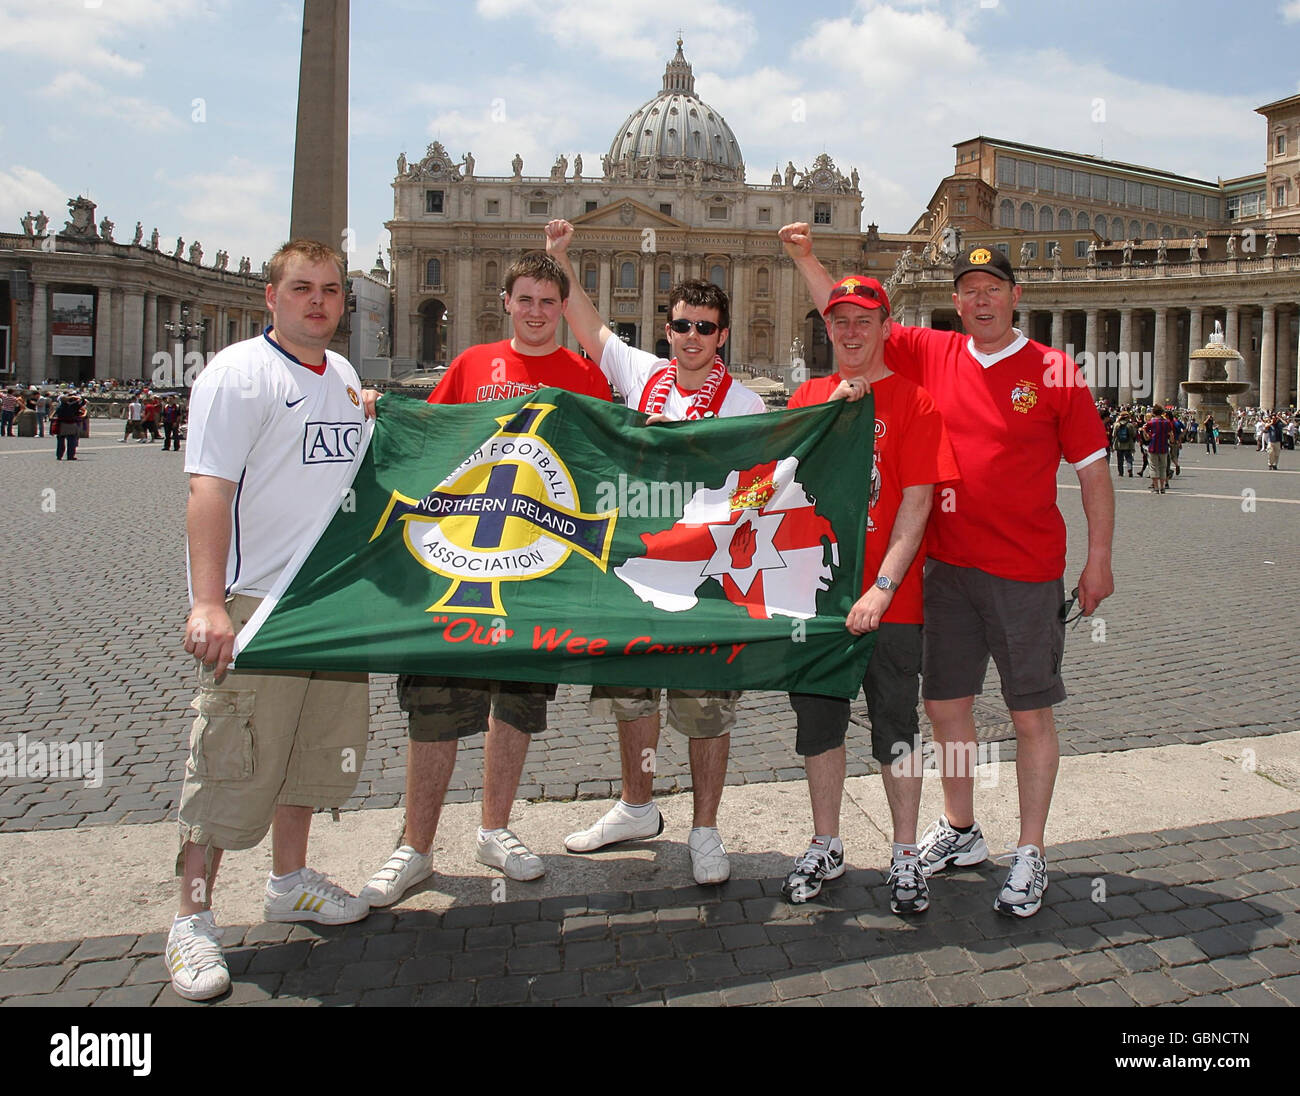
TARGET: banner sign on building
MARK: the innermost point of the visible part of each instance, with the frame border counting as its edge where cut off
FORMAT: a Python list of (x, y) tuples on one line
[(72, 323)]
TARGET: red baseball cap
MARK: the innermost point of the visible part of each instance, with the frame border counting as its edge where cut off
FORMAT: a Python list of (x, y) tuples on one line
[(863, 292)]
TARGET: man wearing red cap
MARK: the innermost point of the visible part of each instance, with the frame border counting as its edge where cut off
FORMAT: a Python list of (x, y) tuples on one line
[(1013, 409), (912, 454)]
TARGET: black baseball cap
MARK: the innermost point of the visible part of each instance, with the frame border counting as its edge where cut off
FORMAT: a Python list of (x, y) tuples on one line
[(986, 260)]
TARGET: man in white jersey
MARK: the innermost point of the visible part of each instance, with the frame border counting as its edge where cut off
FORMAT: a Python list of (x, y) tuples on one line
[(694, 384), (275, 425)]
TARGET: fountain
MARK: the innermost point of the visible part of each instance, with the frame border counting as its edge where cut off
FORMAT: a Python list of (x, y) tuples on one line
[(1206, 395)]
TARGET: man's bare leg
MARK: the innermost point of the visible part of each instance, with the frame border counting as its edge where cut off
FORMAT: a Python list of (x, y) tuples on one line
[(903, 790), (503, 764), (708, 775), (428, 772), (635, 737), (954, 739), (1038, 756), (290, 828), (197, 879), (825, 772)]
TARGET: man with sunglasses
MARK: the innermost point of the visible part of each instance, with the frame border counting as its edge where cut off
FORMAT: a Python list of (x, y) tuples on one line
[(694, 384), (912, 455), (993, 585)]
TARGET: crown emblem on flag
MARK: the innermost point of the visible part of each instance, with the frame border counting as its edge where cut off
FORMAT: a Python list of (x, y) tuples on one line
[(753, 497)]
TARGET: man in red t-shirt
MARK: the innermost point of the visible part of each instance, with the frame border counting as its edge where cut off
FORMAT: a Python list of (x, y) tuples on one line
[(440, 710), (912, 454), (1013, 409)]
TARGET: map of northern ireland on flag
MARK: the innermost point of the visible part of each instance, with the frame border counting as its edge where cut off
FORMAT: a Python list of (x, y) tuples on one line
[(758, 536)]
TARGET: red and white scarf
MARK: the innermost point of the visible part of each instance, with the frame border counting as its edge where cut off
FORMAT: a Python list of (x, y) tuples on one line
[(705, 402)]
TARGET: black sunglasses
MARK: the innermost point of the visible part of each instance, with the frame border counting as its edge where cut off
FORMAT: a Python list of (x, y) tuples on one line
[(704, 327), (1066, 617), (854, 291)]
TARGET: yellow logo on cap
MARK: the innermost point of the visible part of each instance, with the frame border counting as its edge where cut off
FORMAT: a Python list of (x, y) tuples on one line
[(980, 256)]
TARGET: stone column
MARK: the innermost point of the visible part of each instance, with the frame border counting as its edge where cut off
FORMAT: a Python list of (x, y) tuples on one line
[(1126, 370), (738, 356), (134, 361), (1090, 348), (319, 209), (648, 335), (40, 332), (1268, 358), (1058, 327), (605, 293), (784, 309), (150, 342), (1164, 386), (103, 364), (462, 317), (1022, 320), (923, 316), (1285, 373)]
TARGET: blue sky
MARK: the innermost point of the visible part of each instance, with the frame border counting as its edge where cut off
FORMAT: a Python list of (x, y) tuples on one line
[(180, 113)]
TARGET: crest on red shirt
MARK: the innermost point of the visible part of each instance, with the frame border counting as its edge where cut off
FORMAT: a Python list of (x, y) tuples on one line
[(1024, 396)]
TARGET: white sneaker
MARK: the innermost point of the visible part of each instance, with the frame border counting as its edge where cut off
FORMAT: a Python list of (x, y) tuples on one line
[(194, 958), (709, 861), (504, 850), (942, 847), (314, 898), (618, 824), (405, 868), (1022, 893)]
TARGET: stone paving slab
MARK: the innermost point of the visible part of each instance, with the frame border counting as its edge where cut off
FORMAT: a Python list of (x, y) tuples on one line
[(92, 590), (741, 943)]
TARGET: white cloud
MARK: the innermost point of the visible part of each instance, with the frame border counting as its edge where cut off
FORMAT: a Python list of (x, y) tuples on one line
[(641, 32), (1290, 11), (83, 32), (95, 100), (24, 190), (238, 206)]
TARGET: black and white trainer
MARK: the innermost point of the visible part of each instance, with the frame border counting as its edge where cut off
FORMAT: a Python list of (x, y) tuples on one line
[(942, 847), (1022, 893), (908, 890), (821, 862)]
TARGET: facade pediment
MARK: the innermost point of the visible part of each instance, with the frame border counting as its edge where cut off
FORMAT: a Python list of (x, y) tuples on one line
[(624, 213)]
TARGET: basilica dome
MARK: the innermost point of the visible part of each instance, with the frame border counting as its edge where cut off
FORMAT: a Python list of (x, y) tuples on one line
[(676, 125)]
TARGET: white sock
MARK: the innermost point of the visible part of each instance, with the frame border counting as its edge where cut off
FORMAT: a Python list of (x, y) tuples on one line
[(901, 851), (833, 844), (282, 883), (483, 834), (637, 810)]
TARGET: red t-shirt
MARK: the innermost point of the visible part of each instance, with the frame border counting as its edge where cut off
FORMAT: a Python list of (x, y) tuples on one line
[(496, 371), (1010, 425), (912, 448)]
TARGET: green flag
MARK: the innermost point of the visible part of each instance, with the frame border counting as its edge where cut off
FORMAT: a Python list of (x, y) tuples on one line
[(554, 537)]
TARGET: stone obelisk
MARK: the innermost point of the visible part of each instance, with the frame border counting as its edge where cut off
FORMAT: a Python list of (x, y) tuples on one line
[(320, 155)]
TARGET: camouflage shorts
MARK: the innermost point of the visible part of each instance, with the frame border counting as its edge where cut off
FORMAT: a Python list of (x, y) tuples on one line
[(696, 713), (440, 709)]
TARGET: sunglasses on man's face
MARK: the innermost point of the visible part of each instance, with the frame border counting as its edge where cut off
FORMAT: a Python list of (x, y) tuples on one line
[(704, 327), (854, 291)]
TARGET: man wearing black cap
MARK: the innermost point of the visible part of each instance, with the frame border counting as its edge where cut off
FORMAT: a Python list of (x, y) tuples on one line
[(993, 586), (912, 454)]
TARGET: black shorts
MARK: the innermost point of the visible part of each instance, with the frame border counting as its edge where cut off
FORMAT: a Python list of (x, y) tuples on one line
[(970, 615), (890, 685), (440, 709)]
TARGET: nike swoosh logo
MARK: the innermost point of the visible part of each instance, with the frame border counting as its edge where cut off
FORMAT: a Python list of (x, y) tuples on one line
[(294, 403)]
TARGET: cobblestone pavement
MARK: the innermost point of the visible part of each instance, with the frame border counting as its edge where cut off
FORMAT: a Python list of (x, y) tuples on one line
[(1198, 916), (92, 591)]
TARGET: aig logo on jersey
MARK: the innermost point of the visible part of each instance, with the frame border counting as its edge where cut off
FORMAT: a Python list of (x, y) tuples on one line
[(330, 442)]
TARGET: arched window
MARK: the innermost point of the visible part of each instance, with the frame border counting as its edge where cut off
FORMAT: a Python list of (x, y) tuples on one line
[(1027, 217), (1117, 228), (433, 272), (1064, 221), (1151, 230), (665, 279), (1099, 225), (763, 281), (718, 276), (490, 275), (1166, 231), (1007, 213), (1134, 230), (1046, 219), (589, 278), (1082, 223), (627, 276)]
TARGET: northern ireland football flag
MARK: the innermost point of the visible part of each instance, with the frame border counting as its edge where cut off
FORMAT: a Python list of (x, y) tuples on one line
[(553, 537)]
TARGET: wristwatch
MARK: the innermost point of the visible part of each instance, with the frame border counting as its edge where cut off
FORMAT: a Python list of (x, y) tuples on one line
[(883, 583)]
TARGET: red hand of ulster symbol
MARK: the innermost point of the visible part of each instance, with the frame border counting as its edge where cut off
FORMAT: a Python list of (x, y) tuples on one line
[(743, 545)]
